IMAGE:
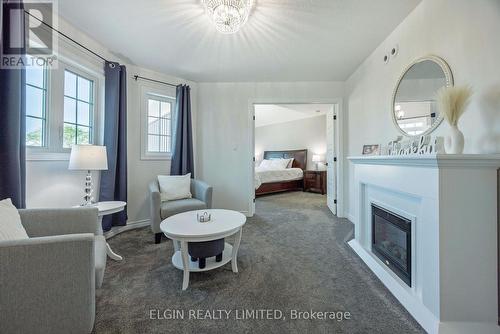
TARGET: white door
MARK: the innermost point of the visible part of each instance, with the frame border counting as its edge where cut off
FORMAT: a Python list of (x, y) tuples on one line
[(331, 168)]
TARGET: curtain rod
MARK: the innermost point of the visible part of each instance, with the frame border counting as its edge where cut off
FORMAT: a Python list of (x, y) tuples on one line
[(71, 39), (136, 77)]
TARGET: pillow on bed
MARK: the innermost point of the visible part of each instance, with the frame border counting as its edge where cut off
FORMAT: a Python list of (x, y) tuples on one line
[(276, 163), (279, 163), (289, 161), (265, 164)]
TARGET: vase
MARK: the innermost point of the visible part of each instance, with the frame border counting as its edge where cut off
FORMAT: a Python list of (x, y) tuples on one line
[(454, 142)]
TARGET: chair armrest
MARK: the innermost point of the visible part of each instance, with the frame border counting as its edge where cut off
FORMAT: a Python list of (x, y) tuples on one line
[(155, 205), (46, 222), (48, 284), (202, 191)]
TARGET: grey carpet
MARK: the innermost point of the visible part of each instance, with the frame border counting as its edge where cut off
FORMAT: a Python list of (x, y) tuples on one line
[(293, 255)]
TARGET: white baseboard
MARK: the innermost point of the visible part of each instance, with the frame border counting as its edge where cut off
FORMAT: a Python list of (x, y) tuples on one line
[(138, 224), (246, 213), (130, 226), (350, 216)]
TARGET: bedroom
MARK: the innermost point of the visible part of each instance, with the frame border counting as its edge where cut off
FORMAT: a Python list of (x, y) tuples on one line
[(291, 145)]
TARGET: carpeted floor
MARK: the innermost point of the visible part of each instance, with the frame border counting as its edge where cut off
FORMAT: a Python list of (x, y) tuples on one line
[(293, 256)]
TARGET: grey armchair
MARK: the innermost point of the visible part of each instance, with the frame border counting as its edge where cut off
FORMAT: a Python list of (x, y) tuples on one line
[(202, 199), (48, 281)]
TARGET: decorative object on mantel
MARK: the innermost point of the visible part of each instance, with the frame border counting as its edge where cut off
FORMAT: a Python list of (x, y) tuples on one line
[(452, 102), (391, 145), (373, 149), (204, 217), (416, 146)]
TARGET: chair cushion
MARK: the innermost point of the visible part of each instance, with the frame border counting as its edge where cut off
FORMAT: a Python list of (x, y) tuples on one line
[(171, 208), (10, 222)]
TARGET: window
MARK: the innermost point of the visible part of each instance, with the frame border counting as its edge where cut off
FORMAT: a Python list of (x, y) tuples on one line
[(159, 125), (78, 109), (62, 109), (157, 119), (36, 106)]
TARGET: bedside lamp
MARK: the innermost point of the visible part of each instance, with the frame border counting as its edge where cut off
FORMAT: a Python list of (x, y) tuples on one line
[(316, 158), (89, 158)]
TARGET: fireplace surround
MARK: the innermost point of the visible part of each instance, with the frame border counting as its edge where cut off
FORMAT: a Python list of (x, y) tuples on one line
[(451, 202)]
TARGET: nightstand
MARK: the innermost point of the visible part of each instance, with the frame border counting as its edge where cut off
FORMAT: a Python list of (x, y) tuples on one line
[(315, 181)]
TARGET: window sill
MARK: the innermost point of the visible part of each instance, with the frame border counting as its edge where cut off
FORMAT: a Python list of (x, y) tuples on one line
[(152, 157), (47, 156)]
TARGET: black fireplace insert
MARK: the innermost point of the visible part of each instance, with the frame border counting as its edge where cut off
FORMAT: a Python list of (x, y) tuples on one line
[(391, 241)]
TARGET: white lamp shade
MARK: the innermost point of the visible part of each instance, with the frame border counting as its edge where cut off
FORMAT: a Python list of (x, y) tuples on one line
[(88, 157), (316, 158)]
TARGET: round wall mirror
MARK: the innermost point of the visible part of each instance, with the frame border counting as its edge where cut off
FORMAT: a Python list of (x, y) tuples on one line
[(414, 110)]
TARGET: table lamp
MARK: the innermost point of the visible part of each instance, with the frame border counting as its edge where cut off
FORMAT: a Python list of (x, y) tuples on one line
[(89, 158), (316, 158)]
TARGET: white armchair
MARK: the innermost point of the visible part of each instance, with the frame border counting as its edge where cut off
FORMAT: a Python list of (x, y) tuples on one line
[(48, 281), (202, 199)]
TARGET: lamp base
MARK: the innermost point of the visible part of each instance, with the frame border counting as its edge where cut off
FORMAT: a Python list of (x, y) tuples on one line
[(87, 198)]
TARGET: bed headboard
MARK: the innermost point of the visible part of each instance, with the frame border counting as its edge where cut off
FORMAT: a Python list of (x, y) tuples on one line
[(299, 157)]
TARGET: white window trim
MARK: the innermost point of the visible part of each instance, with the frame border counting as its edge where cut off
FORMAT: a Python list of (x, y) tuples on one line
[(45, 135), (146, 91), (77, 63)]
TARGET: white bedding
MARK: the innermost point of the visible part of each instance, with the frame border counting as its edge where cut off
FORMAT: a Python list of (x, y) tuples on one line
[(263, 175)]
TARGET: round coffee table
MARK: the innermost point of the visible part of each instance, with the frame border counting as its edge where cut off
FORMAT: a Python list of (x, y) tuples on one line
[(184, 227)]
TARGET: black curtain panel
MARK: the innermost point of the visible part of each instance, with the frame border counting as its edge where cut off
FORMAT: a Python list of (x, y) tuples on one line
[(113, 185), (182, 153), (12, 125)]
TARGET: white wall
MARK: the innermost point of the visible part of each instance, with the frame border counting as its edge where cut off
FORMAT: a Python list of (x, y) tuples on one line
[(224, 131), (465, 34), (308, 133), (51, 184)]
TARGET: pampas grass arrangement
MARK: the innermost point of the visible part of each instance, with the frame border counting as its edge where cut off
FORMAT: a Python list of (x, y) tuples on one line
[(452, 102)]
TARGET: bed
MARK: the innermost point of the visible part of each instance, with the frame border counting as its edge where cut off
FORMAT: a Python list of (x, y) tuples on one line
[(273, 181)]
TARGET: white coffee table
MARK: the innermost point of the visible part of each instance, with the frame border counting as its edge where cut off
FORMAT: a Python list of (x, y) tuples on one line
[(184, 227)]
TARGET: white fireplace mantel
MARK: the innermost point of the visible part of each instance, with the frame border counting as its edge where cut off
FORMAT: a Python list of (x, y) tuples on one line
[(452, 203), (435, 160)]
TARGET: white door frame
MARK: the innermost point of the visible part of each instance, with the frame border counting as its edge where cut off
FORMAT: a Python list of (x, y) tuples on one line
[(339, 144)]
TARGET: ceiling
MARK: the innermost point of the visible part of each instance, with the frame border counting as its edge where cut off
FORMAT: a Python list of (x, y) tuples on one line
[(283, 40), (268, 114)]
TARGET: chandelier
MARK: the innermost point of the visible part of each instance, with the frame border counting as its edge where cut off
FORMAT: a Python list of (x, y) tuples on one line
[(228, 16)]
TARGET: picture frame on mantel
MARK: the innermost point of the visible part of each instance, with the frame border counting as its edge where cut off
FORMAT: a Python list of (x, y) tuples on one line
[(373, 149)]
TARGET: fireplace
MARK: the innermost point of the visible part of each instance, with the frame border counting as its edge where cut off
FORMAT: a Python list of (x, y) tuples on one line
[(391, 241)]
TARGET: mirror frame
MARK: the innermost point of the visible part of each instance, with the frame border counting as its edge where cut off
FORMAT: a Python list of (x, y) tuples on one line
[(449, 82)]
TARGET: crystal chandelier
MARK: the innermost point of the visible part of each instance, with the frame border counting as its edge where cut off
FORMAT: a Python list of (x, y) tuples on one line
[(228, 15)]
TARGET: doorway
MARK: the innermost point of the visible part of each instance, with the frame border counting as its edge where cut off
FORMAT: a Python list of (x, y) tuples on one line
[(307, 133)]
